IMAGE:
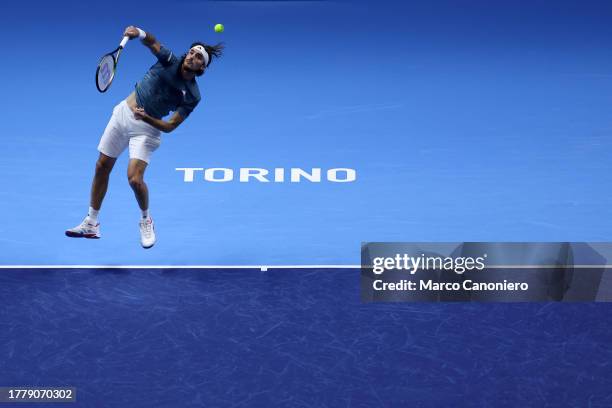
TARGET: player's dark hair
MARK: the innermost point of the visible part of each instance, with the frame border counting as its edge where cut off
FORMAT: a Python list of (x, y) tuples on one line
[(214, 51)]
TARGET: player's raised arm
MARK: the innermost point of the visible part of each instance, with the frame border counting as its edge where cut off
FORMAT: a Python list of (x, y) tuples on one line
[(147, 38)]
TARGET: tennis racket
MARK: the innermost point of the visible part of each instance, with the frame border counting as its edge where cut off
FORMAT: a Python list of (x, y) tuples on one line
[(107, 67)]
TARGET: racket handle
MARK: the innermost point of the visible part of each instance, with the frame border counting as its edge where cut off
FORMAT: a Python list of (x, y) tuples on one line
[(124, 41)]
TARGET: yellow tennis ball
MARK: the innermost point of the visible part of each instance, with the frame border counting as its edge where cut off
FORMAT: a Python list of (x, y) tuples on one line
[(219, 28)]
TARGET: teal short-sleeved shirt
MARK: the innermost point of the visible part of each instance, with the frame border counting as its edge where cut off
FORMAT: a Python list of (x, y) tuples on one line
[(163, 89)]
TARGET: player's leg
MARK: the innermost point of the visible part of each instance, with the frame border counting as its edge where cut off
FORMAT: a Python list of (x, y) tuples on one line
[(142, 146), (90, 227), (104, 166), (136, 170), (144, 140), (112, 144)]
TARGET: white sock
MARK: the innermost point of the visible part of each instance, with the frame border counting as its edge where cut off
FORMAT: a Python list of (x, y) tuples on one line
[(145, 214), (92, 215)]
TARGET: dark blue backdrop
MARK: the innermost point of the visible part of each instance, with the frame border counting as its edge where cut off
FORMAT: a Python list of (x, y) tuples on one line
[(290, 338)]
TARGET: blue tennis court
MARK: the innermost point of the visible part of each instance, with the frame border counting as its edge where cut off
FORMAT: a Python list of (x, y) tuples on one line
[(484, 122)]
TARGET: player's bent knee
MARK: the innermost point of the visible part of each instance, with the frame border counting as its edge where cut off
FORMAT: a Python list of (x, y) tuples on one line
[(136, 182), (104, 166)]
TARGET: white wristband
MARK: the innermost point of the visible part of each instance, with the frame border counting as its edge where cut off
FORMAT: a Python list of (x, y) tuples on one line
[(141, 33)]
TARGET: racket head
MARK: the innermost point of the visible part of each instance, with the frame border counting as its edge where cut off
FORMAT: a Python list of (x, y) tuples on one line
[(105, 72)]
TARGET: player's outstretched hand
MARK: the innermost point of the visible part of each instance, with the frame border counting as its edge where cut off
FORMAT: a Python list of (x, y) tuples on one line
[(131, 32)]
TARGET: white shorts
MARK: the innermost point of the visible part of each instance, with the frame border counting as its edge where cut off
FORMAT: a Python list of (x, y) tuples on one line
[(124, 130)]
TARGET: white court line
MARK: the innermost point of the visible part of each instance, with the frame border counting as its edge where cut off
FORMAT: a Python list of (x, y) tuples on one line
[(265, 267), (261, 267)]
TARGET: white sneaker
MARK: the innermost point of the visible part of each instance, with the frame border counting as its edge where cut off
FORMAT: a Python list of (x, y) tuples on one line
[(84, 230), (147, 232)]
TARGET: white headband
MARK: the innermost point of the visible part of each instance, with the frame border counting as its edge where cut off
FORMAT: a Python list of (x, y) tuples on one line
[(201, 50)]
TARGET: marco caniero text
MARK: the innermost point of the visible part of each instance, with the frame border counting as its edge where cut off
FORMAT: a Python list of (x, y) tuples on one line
[(448, 286)]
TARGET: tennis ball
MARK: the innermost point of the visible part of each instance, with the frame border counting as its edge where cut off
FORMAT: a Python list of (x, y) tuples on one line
[(219, 28)]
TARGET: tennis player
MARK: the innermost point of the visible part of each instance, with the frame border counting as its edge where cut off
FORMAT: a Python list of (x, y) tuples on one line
[(137, 124)]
